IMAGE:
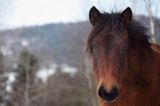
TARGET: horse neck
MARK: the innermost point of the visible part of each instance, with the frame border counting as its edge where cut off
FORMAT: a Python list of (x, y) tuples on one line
[(149, 55), (144, 63)]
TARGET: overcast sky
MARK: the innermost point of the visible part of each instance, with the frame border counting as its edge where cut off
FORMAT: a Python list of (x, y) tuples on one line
[(17, 13)]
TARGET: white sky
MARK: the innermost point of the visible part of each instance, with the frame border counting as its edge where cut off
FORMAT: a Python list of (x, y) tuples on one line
[(44, 11), (17, 13), (31, 12)]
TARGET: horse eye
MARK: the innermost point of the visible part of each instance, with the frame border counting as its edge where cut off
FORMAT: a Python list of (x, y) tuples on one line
[(123, 48), (93, 47)]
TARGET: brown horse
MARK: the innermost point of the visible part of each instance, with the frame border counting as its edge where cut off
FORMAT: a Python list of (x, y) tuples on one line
[(125, 63)]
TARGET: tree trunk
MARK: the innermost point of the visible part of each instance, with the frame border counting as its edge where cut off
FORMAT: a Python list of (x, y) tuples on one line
[(151, 19), (27, 84)]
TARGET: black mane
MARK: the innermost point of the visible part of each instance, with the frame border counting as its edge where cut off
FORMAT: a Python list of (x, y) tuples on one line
[(137, 33)]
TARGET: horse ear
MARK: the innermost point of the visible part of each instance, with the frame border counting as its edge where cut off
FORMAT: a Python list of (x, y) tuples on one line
[(126, 16), (93, 15)]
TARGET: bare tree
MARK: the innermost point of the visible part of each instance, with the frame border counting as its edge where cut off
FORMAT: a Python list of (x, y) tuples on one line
[(3, 81), (149, 7), (64, 89), (24, 86)]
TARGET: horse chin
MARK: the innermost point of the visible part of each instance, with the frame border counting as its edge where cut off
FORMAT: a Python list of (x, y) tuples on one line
[(110, 102)]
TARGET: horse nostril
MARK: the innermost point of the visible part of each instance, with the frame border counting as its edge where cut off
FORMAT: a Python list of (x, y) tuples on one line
[(108, 96)]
